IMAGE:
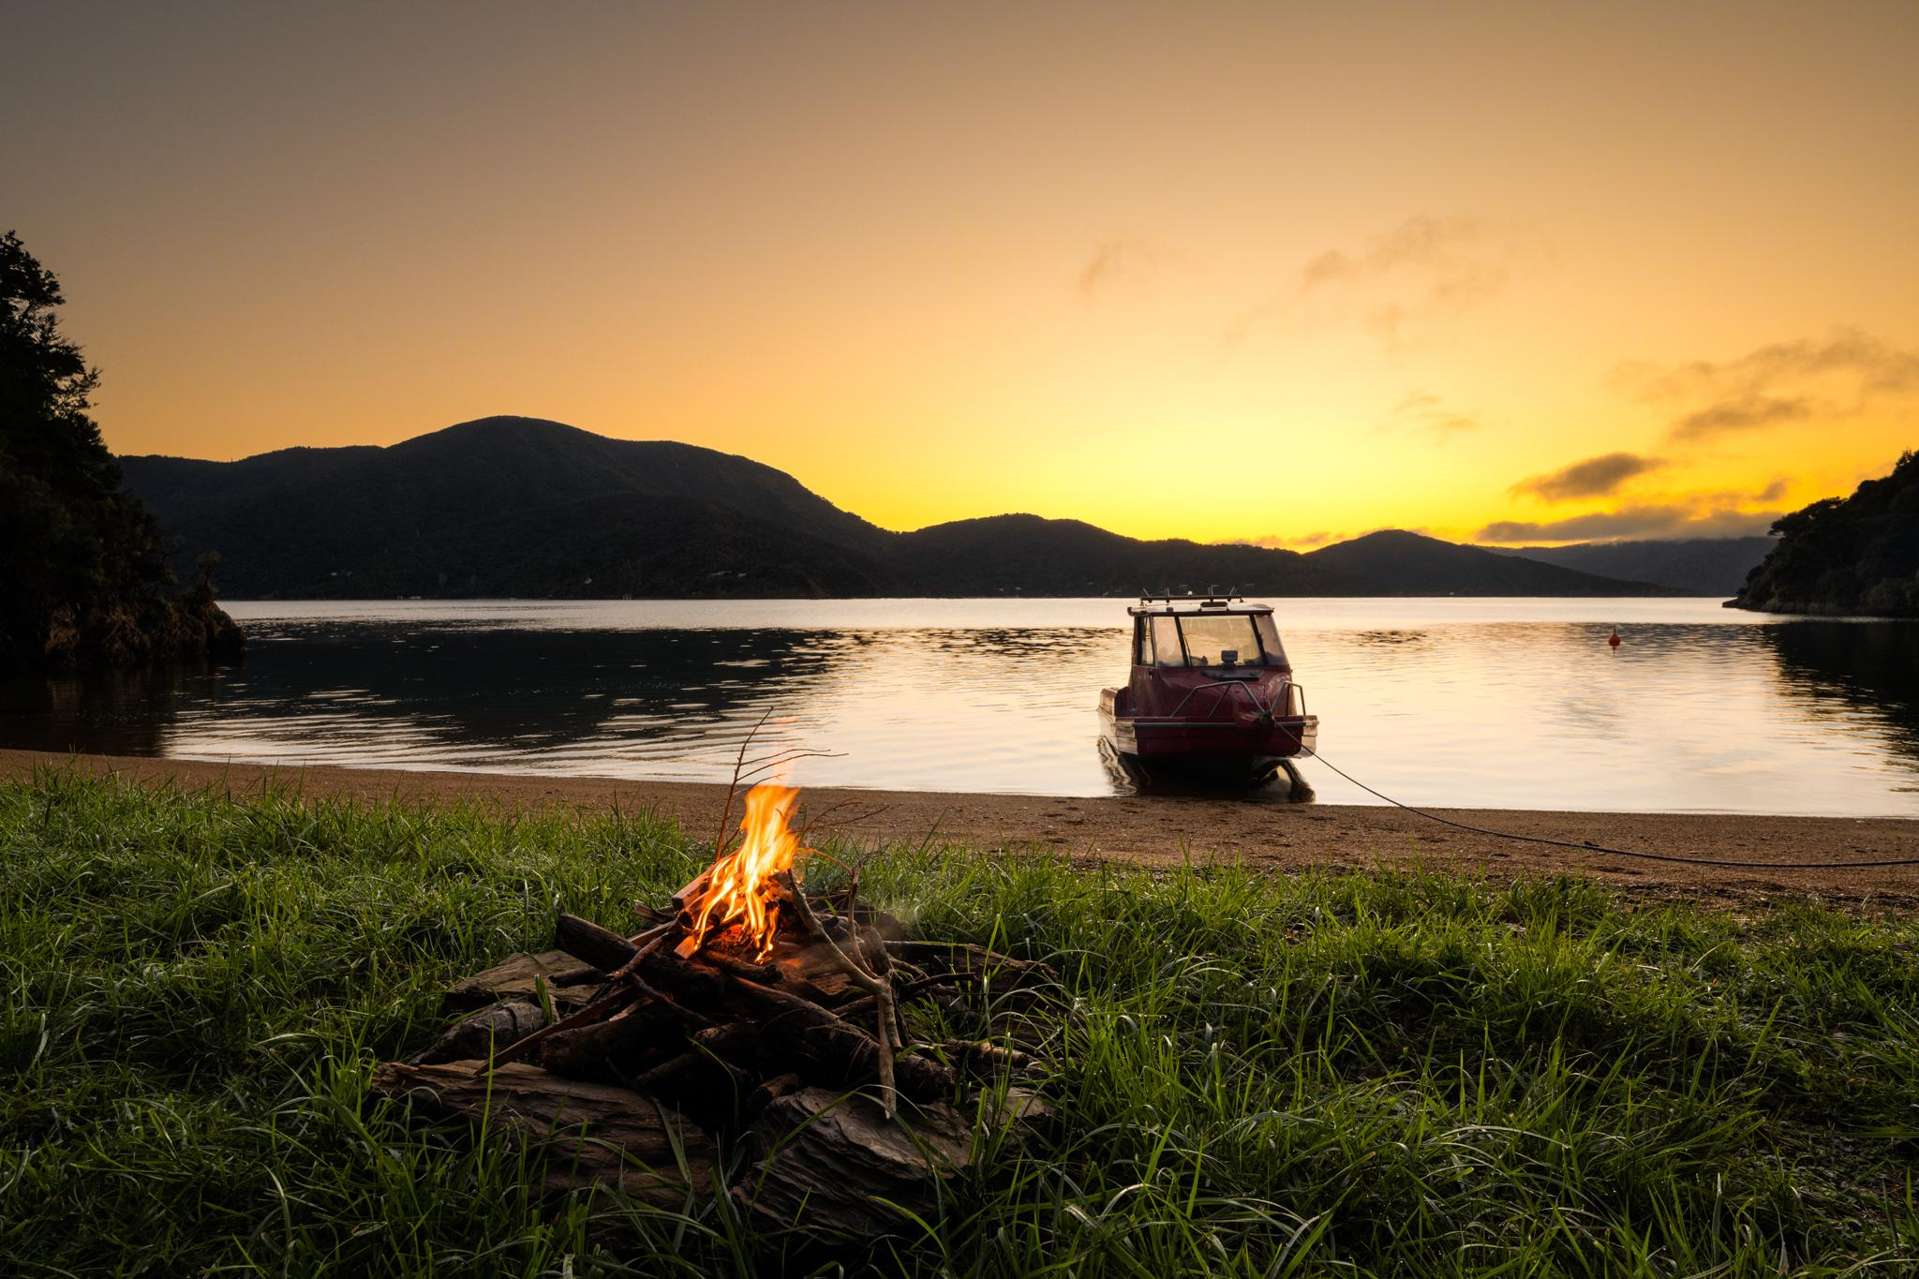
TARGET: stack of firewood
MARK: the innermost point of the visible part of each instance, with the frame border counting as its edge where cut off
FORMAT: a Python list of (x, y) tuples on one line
[(665, 1063)]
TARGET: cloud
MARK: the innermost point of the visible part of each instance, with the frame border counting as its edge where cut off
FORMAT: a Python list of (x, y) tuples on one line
[(1594, 477), (1772, 492), (1837, 375), (1740, 415), (1422, 269), (1115, 262), (1448, 254), (1657, 520), (1425, 411)]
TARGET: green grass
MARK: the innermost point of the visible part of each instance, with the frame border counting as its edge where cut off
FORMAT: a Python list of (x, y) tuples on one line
[(1332, 1074)]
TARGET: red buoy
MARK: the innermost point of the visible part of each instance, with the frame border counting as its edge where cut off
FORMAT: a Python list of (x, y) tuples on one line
[(1612, 641)]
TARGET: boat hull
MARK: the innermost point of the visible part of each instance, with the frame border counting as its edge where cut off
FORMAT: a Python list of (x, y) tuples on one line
[(1247, 746)]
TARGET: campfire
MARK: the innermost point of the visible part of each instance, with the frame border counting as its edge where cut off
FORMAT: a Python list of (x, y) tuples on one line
[(746, 1015)]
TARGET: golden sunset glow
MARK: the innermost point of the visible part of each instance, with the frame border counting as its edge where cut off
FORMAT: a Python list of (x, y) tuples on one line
[(1222, 272)]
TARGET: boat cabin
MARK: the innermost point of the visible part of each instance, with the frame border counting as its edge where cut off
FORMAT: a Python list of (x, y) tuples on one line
[(1210, 686)]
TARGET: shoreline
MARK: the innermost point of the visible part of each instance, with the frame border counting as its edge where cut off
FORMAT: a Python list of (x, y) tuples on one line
[(1165, 830)]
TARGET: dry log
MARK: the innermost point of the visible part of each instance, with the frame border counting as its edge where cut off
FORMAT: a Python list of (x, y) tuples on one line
[(570, 981), (690, 893), (594, 1135), (712, 1079), (832, 1051), (814, 971), (740, 967), (834, 1165), (653, 1026), (603, 1005), (601, 947), (483, 1033), (770, 1091), (691, 981)]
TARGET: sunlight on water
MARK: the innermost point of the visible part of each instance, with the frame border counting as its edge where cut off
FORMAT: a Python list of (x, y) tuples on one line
[(1474, 703)]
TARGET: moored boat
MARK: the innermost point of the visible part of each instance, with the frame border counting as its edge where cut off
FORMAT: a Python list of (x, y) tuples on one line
[(1211, 693)]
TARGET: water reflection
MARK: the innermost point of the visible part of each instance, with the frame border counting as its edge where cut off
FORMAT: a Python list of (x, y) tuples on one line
[(1851, 673), (1474, 703), (117, 713)]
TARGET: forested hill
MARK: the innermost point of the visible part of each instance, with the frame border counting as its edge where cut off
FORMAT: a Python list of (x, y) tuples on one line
[(1693, 565), (1857, 555), (83, 574), (510, 506)]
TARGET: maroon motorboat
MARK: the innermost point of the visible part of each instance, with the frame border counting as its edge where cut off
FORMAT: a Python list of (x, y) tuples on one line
[(1211, 694)]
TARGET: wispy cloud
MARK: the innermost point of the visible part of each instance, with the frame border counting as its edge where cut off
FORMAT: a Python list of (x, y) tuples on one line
[(1652, 520), (1448, 256), (1740, 415), (1426, 267), (1594, 477), (1424, 411), (1835, 376), (1113, 263)]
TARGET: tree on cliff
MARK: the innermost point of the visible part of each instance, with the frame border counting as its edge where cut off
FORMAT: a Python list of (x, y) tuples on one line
[(83, 576), (1854, 555)]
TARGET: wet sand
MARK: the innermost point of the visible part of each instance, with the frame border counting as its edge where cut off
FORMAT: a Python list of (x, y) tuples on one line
[(1164, 830)]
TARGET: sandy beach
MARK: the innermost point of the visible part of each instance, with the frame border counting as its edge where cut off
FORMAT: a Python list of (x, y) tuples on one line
[(1163, 830)]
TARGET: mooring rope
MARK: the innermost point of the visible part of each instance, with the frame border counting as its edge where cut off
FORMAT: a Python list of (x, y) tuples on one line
[(1587, 846)]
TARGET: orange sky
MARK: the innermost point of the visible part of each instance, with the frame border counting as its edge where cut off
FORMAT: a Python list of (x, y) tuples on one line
[(1218, 271)]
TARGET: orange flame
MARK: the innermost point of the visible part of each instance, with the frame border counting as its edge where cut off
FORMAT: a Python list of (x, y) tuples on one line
[(739, 888)]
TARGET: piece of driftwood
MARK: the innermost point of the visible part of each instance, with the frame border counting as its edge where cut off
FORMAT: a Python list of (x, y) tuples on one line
[(601, 948), (834, 1165), (593, 1135), (480, 1034), (570, 980)]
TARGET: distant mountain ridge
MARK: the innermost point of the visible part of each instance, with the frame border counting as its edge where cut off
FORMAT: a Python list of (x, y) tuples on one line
[(513, 506), (1693, 565)]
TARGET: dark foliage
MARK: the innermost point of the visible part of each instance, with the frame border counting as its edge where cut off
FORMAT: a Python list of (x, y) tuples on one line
[(510, 506), (83, 564), (1847, 556)]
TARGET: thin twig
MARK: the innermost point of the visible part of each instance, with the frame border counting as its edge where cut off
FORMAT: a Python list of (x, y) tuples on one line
[(726, 810), (882, 991)]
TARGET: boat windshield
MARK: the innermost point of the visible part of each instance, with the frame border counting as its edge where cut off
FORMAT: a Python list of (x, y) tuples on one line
[(1211, 639)]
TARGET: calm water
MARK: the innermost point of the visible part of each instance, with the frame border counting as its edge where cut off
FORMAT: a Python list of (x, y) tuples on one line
[(1507, 703)]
